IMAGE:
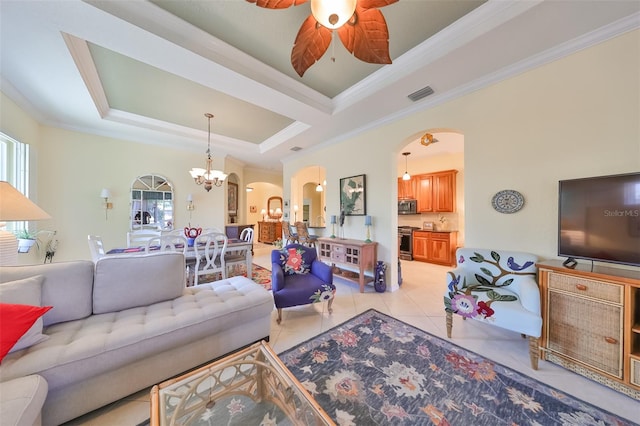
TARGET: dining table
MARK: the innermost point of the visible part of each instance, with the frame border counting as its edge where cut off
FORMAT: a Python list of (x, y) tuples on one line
[(233, 245)]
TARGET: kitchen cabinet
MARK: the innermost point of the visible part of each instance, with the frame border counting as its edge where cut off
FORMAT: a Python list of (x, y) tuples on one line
[(406, 189), (591, 323), (268, 232), (436, 192), (435, 247)]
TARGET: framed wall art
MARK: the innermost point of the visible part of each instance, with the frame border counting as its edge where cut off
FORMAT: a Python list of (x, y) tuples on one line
[(353, 192), (232, 198)]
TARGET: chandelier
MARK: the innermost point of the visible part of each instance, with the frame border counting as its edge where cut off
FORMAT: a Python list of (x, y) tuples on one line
[(207, 176)]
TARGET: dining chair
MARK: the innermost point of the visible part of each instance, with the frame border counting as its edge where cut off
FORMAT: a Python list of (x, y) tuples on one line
[(140, 237), (167, 243), (239, 257), (289, 237), (96, 247), (303, 235), (210, 250)]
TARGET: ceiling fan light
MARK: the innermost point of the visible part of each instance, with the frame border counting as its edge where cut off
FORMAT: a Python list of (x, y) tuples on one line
[(332, 13)]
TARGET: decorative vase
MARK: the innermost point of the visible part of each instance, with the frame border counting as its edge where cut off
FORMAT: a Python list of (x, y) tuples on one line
[(24, 245)]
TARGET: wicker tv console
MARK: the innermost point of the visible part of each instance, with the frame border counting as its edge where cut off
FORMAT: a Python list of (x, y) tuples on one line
[(591, 323)]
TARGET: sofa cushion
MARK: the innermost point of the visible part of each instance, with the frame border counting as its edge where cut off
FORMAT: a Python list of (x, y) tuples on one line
[(67, 287), (27, 291), (21, 400), (123, 282), (15, 322), (296, 260)]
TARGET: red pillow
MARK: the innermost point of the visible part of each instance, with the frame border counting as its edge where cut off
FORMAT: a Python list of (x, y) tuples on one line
[(15, 321)]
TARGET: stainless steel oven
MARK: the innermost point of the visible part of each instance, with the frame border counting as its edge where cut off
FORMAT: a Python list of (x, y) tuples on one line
[(405, 237)]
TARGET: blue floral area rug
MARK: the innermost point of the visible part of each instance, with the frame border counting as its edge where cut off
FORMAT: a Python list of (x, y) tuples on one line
[(376, 370)]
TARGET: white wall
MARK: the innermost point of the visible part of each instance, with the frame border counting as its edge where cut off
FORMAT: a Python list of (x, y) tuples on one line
[(578, 116)]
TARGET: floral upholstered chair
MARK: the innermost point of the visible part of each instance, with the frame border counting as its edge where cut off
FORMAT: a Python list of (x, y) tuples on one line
[(499, 288), (297, 278)]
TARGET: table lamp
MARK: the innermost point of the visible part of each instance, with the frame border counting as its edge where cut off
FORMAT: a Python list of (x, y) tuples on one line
[(14, 206), (367, 223), (333, 225)]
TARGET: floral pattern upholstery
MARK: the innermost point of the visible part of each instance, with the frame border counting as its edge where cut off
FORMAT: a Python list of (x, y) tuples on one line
[(294, 260), (496, 287)]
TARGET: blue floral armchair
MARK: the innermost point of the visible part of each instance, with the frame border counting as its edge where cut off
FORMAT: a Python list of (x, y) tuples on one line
[(499, 288), (297, 278)]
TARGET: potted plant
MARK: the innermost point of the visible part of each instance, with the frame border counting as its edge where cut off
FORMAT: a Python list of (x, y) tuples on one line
[(278, 243), (26, 240)]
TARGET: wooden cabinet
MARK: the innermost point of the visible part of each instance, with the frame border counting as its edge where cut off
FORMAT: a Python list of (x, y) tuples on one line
[(435, 247), (406, 189), (350, 253), (591, 323), (268, 232), (436, 192), (424, 183)]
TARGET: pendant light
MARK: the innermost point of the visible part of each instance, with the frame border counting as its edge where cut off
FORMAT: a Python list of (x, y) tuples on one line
[(406, 175), (208, 176), (319, 187)]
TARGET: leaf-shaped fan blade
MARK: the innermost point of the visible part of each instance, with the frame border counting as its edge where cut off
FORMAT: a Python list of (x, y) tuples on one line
[(370, 4), (368, 38), (277, 4), (311, 43)]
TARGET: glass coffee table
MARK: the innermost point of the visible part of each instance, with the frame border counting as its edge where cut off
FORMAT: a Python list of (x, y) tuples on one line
[(250, 386)]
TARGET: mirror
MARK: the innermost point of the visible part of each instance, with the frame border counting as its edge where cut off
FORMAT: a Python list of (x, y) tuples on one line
[(151, 203), (274, 208)]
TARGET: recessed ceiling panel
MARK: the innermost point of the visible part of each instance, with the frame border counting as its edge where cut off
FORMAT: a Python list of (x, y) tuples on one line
[(138, 88), (269, 34)]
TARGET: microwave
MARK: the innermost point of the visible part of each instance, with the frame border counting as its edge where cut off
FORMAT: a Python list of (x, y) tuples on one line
[(407, 206)]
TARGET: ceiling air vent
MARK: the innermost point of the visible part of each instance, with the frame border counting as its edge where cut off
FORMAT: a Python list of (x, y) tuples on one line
[(296, 148), (419, 94)]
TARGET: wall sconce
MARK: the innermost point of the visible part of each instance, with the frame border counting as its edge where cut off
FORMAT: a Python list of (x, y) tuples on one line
[(367, 223), (249, 189), (106, 194), (190, 205), (295, 213)]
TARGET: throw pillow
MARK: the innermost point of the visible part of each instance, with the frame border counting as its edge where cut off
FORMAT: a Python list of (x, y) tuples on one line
[(26, 291), (123, 282), (15, 320), (295, 261)]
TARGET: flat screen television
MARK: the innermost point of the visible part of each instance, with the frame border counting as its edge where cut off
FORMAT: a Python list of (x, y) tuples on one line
[(599, 219)]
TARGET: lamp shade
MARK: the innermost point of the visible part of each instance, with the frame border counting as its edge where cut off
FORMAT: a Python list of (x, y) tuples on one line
[(105, 193), (333, 13), (15, 206), (367, 220), (332, 219)]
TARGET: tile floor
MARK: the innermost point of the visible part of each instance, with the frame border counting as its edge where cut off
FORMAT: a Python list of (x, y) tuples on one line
[(418, 302)]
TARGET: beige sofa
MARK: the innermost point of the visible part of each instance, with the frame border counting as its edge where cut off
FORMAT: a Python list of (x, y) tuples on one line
[(126, 323)]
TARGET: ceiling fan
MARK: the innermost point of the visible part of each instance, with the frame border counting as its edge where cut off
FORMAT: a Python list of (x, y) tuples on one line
[(360, 25)]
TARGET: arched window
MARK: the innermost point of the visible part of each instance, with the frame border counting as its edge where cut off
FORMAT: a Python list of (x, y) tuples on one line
[(151, 203)]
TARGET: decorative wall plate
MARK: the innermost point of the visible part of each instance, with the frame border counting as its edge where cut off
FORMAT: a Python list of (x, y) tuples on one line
[(507, 201)]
